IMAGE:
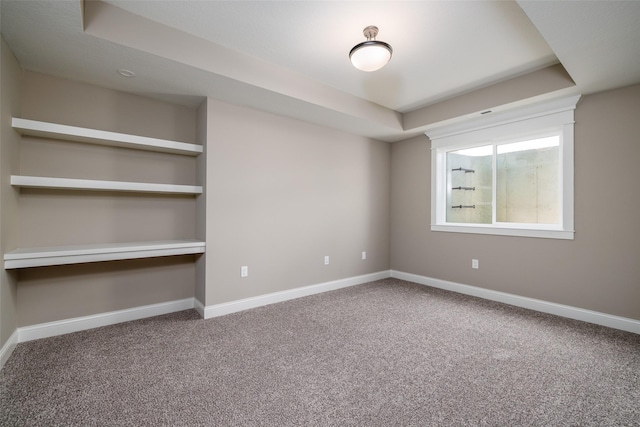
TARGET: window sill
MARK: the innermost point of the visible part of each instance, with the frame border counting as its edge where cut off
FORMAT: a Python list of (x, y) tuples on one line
[(503, 231)]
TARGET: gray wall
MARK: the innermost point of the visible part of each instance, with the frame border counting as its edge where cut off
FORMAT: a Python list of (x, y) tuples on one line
[(50, 218), (282, 194), (599, 270), (201, 204), (10, 104)]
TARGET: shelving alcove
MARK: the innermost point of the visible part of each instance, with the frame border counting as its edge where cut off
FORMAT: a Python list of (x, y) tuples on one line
[(60, 255)]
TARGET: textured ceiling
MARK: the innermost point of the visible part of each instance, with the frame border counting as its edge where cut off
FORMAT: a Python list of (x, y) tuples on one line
[(291, 57)]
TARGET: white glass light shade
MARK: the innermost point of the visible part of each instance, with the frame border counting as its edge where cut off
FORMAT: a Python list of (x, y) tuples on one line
[(370, 55)]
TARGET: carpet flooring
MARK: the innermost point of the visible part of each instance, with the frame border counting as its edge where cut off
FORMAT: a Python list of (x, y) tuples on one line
[(386, 353)]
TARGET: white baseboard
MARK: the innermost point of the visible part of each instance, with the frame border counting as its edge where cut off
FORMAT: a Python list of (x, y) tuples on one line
[(609, 320), (50, 329), (199, 307), (8, 347), (66, 326), (259, 301)]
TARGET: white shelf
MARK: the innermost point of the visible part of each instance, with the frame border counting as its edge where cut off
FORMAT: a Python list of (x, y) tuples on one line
[(96, 185), (61, 255), (93, 136)]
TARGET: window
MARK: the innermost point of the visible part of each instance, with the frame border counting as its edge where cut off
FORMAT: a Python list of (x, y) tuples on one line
[(508, 172)]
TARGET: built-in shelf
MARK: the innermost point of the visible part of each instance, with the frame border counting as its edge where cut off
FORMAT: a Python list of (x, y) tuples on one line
[(94, 136), (96, 185), (61, 255)]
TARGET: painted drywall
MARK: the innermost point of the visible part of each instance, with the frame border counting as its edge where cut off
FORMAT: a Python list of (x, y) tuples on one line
[(598, 270), (201, 204), (10, 104), (283, 194), (542, 83), (49, 218), (59, 100), (63, 292)]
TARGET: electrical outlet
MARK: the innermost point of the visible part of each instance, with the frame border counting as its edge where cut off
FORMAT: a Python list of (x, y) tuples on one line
[(244, 271), (475, 264), (364, 255), (326, 260)]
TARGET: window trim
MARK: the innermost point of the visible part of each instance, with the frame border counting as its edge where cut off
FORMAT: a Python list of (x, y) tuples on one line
[(501, 125)]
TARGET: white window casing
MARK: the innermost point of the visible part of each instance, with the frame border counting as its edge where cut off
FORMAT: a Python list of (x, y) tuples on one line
[(544, 118)]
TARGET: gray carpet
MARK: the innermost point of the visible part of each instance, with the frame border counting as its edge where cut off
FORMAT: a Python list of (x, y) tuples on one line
[(386, 353)]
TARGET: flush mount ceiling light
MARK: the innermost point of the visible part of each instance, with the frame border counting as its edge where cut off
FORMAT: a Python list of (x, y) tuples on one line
[(372, 54)]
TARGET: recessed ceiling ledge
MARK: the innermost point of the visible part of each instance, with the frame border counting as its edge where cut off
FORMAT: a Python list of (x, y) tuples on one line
[(118, 26), (548, 82)]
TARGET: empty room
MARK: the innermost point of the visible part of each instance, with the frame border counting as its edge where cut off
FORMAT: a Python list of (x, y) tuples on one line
[(319, 213)]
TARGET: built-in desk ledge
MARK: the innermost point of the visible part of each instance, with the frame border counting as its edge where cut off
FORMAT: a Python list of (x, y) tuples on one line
[(61, 255), (96, 185), (100, 137)]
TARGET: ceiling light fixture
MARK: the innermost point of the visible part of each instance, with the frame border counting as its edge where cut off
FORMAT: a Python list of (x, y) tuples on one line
[(372, 54)]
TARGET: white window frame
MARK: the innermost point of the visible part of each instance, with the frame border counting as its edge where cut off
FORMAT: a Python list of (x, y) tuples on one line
[(497, 127)]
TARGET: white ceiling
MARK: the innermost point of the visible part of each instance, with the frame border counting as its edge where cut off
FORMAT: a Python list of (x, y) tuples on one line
[(291, 57)]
